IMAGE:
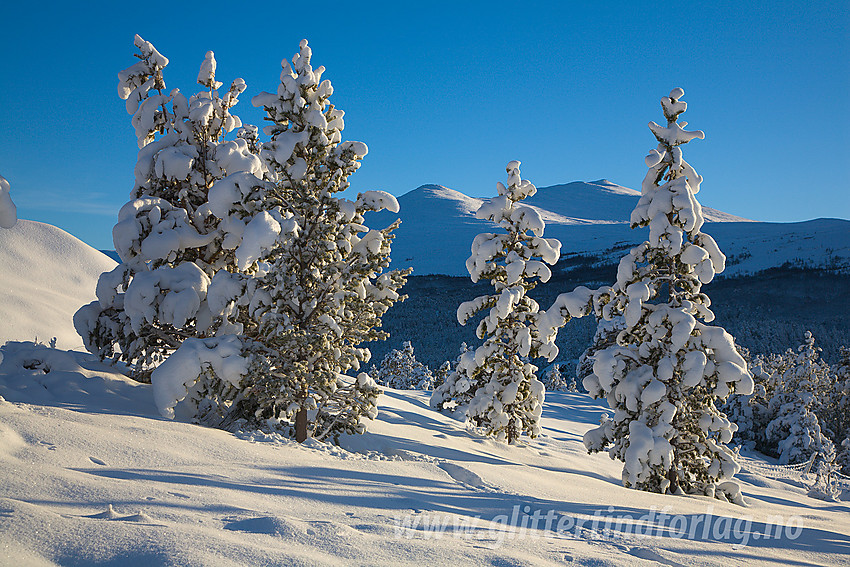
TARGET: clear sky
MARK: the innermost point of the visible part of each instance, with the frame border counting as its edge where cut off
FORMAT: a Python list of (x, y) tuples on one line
[(448, 93)]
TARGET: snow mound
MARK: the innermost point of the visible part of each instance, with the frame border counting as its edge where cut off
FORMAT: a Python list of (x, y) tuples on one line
[(45, 276)]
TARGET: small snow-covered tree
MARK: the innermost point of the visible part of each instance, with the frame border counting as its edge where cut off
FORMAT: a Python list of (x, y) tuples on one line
[(800, 387), (665, 368), (400, 370), (842, 459), (8, 211), (497, 382), (555, 381), (169, 238)]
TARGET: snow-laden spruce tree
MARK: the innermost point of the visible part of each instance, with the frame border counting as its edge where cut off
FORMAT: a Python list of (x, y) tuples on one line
[(169, 239), (801, 387), (496, 382), (8, 211), (400, 370), (323, 293), (666, 368)]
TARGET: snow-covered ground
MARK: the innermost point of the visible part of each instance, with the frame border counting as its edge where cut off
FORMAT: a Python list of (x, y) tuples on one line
[(592, 219), (90, 474)]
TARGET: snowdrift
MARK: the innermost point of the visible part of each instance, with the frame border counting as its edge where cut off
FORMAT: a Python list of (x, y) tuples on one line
[(45, 276)]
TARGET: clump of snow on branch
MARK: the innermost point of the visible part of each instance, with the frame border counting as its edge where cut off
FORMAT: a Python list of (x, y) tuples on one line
[(217, 357)]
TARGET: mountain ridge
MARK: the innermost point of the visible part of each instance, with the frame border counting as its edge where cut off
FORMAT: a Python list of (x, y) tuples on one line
[(592, 219)]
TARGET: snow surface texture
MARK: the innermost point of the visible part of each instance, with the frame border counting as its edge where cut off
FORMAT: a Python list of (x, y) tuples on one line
[(45, 276), (91, 475), (593, 219)]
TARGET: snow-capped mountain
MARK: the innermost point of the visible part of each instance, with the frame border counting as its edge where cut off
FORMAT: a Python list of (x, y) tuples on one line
[(439, 224)]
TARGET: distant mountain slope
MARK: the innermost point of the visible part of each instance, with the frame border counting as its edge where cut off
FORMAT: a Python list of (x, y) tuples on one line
[(45, 276), (438, 225), (601, 201)]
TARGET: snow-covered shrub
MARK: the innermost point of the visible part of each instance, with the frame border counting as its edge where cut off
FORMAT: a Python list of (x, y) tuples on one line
[(8, 211), (400, 370), (200, 205), (800, 388), (824, 486), (496, 382), (665, 368)]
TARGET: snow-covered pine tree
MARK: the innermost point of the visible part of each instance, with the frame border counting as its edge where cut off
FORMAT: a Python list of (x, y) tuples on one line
[(8, 211), (801, 387), (169, 239), (326, 290), (667, 368), (498, 382), (604, 337), (400, 370)]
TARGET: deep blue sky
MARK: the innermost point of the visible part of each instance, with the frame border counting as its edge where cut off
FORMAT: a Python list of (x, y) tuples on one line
[(448, 94)]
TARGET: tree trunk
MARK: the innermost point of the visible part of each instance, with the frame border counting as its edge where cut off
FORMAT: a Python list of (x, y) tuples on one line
[(673, 477), (301, 425)]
